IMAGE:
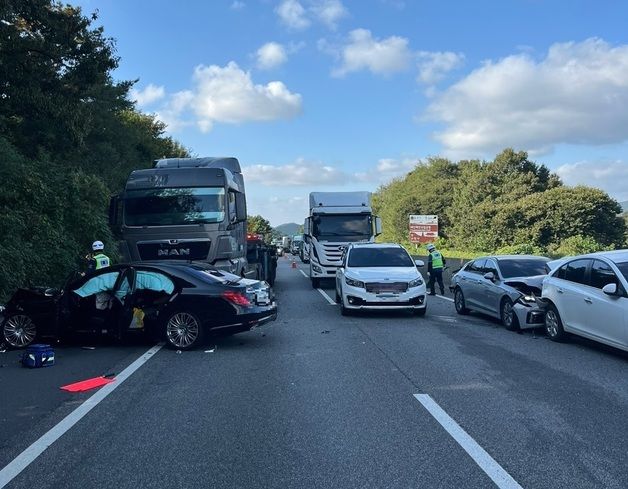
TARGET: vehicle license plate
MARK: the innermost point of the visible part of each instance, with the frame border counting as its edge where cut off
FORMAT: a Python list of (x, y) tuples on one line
[(262, 297)]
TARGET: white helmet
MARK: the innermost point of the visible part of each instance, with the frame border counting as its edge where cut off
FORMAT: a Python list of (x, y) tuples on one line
[(98, 246), (431, 247)]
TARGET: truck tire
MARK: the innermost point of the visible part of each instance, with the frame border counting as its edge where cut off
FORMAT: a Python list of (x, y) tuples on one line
[(316, 282)]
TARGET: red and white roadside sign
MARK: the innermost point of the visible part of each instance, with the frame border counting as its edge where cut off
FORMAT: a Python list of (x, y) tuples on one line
[(423, 229)]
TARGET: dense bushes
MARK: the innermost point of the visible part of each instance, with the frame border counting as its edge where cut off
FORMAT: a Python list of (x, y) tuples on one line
[(508, 205), (68, 139)]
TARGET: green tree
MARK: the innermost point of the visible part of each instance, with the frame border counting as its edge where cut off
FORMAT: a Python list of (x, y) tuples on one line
[(258, 225), (68, 139)]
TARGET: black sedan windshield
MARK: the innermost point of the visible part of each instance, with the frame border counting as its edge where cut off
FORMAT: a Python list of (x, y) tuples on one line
[(524, 267), (379, 257)]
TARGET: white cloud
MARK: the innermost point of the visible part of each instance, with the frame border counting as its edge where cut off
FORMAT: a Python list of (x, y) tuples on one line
[(610, 176), (387, 169), (577, 94), (228, 95), (271, 55), (151, 93), (308, 173), (301, 172), (363, 52), (434, 66), (292, 14), (237, 5), (329, 12)]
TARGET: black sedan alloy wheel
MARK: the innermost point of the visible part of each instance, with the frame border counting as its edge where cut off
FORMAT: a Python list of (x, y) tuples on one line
[(183, 331), (19, 331)]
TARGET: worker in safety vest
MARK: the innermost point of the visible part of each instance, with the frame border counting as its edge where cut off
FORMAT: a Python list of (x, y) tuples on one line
[(97, 259), (435, 264)]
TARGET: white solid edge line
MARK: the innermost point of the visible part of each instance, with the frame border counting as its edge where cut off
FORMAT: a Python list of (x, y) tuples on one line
[(443, 297), (329, 299), (24, 459), (304, 274), (496, 472)]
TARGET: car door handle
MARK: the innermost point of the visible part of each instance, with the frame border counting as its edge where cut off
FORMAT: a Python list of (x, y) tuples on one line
[(588, 300)]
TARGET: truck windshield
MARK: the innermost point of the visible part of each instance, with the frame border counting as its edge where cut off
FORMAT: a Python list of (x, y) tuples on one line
[(339, 227), (174, 206)]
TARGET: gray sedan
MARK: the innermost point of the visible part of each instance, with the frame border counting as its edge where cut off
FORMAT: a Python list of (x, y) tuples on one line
[(504, 287)]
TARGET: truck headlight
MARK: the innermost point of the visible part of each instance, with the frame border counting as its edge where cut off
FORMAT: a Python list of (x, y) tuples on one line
[(316, 268), (415, 283), (354, 283)]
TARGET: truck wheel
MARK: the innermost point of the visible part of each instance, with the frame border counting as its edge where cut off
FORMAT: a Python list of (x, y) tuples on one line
[(316, 283)]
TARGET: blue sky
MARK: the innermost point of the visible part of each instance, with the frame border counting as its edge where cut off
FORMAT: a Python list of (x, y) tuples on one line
[(345, 95)]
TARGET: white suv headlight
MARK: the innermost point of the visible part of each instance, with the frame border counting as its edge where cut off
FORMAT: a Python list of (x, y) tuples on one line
[(354, 283), (415, 283)]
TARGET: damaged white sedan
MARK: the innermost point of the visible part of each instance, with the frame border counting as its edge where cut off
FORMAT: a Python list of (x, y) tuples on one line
[(505, 287)]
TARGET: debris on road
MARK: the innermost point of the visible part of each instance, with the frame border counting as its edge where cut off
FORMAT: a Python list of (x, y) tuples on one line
[(211, 350), (88, 347), (325, 331), (85, 385)]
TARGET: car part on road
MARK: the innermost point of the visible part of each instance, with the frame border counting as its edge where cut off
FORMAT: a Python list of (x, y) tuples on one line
[(86, 385), (554, 325), (18, 331), (459, 302), (508, 316), (183, 330)]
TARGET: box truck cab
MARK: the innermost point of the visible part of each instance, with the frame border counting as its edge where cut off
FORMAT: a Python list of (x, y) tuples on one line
[(187, 209), (335, 220)]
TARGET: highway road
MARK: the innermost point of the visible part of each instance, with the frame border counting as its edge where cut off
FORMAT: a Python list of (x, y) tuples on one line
[(317, 400)]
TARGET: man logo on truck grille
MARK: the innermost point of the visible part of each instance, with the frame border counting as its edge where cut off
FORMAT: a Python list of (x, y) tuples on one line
[(174, 252)]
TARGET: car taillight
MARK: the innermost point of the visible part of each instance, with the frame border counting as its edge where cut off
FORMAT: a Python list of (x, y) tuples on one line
[(237, 298)]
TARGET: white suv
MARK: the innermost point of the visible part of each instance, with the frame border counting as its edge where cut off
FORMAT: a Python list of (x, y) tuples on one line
[(588, 295), (379, 276)]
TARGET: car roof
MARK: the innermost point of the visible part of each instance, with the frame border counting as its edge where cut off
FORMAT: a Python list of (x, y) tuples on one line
[(616, 256), (517, 257)]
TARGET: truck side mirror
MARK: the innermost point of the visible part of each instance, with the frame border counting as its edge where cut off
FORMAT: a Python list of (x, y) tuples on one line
[(378, 225), (113, 210), (240, 207), (307, 227)]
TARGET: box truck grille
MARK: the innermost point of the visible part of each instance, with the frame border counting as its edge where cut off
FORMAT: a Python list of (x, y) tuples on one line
[(182, 250), (378, 288)]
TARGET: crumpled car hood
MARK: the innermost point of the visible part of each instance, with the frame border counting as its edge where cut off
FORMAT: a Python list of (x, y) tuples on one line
[(528, 284)]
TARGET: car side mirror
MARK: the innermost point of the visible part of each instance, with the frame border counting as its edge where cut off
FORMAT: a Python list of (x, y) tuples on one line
[(489, 276), (610, 289), (419, 263)]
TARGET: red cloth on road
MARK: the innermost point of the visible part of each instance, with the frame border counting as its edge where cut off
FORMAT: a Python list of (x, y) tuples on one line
[(85, 385)]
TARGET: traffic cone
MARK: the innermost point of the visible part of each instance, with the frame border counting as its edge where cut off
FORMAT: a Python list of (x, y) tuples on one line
[(294, 264)]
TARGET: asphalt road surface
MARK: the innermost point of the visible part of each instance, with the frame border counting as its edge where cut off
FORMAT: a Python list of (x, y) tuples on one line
[(320, 400)]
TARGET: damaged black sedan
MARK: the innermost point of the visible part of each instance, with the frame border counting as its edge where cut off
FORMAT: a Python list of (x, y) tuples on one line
[(179, 302), (503, 286)]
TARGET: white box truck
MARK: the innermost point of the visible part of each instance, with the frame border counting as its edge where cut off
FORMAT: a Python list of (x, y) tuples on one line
[(335, 220)]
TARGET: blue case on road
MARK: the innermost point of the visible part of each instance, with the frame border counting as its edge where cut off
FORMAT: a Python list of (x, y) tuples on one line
[(38, 355)]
